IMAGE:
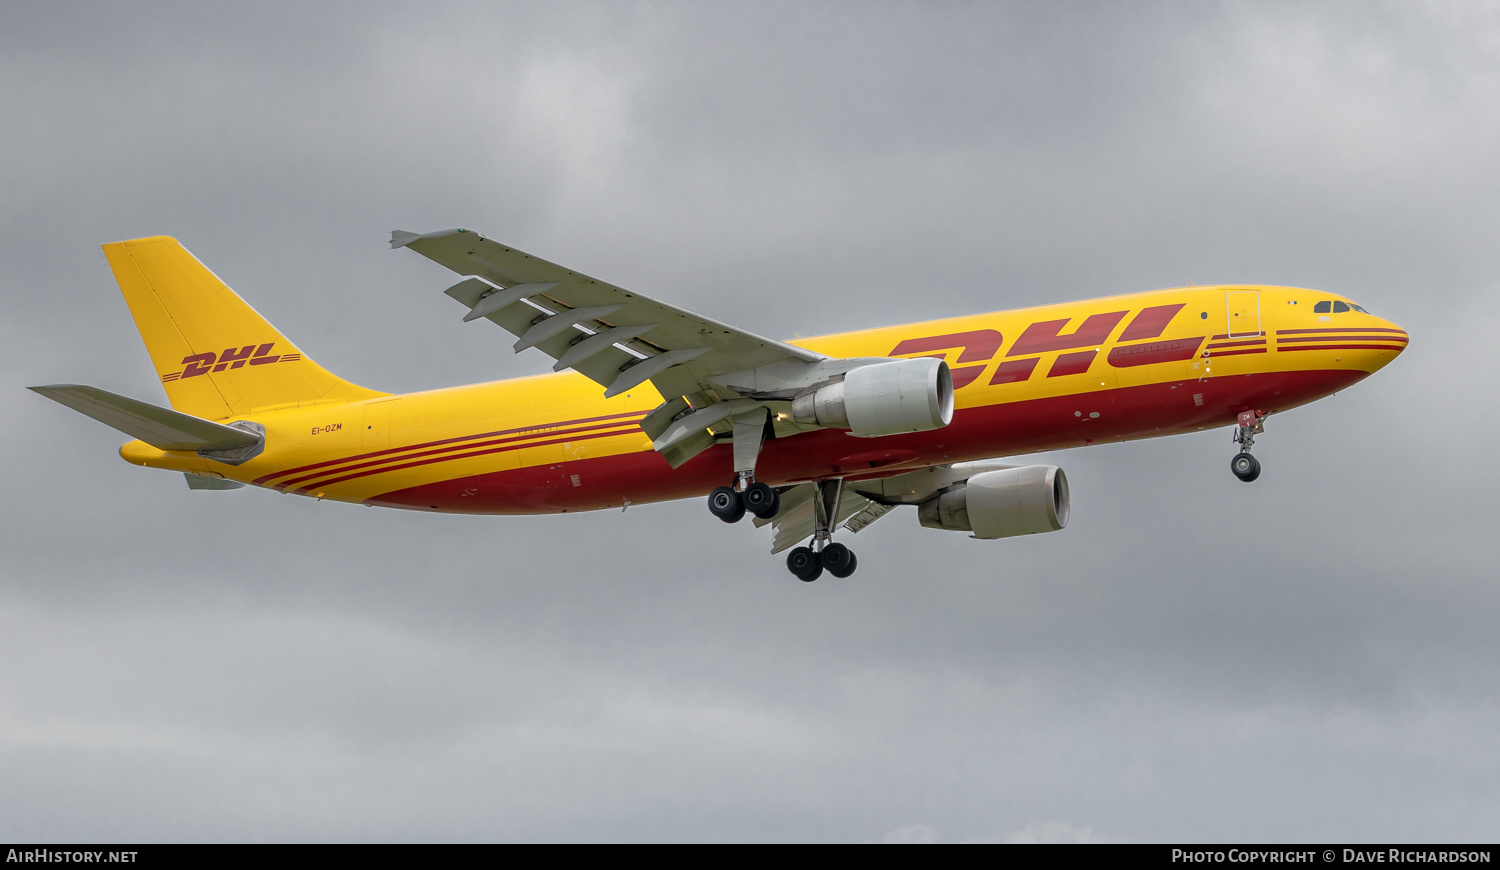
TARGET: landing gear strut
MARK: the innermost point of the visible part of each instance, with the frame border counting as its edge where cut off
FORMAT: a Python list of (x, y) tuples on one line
[(1245, 466), (808, 563)]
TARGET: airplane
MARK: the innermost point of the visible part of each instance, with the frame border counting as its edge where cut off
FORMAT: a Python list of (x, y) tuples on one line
[(648, 402)]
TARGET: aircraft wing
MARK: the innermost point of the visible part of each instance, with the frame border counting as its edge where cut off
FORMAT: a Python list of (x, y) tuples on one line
[(616, 337)]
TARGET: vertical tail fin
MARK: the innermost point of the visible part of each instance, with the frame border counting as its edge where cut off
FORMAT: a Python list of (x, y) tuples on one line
[(215, 355)]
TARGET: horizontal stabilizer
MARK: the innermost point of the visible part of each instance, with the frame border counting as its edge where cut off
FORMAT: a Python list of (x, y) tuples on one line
[(162, 428)]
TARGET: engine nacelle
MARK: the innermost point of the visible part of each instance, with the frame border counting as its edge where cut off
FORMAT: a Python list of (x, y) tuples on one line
[(907, 395), (1002, 504)]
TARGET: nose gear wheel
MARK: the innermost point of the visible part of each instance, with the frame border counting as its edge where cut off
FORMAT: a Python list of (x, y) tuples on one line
[(1245, 466)]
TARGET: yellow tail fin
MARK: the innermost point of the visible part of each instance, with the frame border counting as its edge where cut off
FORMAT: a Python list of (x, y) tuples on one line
[(215, 355)]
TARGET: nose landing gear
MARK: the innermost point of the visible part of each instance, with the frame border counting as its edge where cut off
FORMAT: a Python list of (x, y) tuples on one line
[(1245, 466)]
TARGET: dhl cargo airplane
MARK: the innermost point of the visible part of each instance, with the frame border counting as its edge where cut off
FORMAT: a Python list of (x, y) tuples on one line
[(650, 402)]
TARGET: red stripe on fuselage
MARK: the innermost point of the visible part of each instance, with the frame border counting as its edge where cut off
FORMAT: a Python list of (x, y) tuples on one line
[(1340, 347), (1327, 338), (515, 442), (1339, 329), (626, 430), (265, 478)]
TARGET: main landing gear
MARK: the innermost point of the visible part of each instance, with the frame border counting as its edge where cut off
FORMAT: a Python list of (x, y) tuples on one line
[(1245, 466), (808, 563), (730, 505)]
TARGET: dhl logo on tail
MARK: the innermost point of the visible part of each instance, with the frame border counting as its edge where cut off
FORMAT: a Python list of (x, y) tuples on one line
[(203, 363)]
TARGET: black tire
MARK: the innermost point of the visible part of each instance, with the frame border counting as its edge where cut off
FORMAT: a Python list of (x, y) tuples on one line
[(805, 564), (760, 499), (839, 560), (726, 504), (1245, 467)]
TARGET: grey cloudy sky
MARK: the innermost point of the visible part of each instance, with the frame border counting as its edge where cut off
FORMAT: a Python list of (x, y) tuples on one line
[(1313, 657)]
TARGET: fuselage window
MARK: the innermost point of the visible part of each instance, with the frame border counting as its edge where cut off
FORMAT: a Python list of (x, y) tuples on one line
[(1340, 307), (1322, 307)]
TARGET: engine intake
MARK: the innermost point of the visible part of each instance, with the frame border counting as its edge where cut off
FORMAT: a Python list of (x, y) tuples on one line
[(908, 395), (1002, 504)]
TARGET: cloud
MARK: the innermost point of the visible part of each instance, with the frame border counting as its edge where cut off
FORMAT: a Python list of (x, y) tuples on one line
[(1309, 657)]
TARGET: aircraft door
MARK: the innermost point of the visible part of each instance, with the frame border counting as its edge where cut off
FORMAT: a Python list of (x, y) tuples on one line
[(1244, 313)]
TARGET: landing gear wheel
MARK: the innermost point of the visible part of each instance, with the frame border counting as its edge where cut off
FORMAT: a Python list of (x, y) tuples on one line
[(1245, 467), (839, 560), (726, 504), (804, 563), (760, 499)]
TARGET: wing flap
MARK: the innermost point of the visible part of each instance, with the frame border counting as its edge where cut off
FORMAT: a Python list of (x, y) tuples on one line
[(871, 512)]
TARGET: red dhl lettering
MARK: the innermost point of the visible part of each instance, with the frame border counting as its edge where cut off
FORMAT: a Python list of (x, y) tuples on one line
[(981, 345), (231, 358)]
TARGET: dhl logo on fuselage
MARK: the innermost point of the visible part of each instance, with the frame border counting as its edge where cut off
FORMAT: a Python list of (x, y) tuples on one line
[(232, 358), (979, 347)]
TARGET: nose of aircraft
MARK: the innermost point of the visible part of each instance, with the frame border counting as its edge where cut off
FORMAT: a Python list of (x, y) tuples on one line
[(1379, 343)]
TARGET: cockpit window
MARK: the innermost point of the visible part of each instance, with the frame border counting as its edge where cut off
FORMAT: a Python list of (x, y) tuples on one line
[(1333, 306)]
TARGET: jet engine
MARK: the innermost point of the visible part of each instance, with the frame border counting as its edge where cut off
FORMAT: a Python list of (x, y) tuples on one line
[(908, 395), (1002, 504)]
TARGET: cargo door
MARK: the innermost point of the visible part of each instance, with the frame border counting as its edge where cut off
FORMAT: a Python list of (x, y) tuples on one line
[(1244, 313)]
